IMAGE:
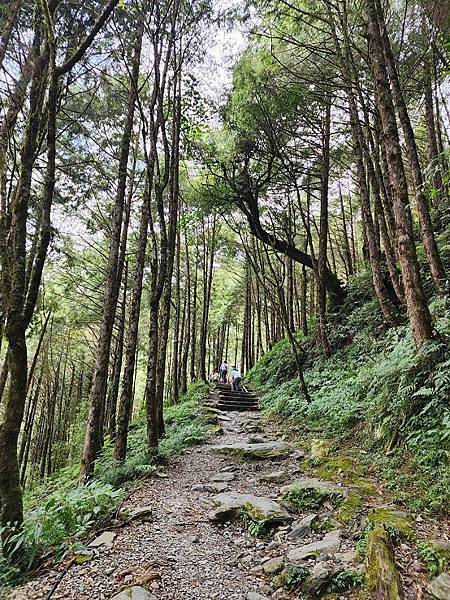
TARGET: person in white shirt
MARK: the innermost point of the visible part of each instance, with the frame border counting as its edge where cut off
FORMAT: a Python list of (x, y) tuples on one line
[(235, 379), (223, 369)]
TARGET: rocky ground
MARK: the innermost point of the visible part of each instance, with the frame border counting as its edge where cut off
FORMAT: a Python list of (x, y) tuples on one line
[(186, 536)]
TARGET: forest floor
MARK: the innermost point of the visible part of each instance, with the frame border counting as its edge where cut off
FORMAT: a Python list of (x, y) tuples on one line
[(180, 554)]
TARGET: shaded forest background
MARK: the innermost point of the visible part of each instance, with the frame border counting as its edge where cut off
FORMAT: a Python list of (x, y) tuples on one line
[(297, 225)]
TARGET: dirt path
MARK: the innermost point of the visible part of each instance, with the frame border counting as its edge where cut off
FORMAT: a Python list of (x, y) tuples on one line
[(195, 558), (180, 554)]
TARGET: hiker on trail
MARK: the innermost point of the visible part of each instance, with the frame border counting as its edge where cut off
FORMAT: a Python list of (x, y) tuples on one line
[(235, 379), (223, 372)]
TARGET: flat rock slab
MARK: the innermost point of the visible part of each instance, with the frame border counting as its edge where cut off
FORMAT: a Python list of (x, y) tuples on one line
[(136, 592), (260, 451), (105, 539), (274, 477), (328, 545), (302, 528), (260, 510), (222, 477), (142, 513), (311, 492), (215, 488), (222, 417), (440, 587), (273, 565)]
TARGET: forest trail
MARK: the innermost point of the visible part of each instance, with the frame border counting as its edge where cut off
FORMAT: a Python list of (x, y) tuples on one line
[(179, 553)]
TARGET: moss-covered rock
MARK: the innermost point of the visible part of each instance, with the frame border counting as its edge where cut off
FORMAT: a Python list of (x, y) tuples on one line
[(395, 521), (261, 511), (266, 450), (383, 580), (350, 507), (335, 467), (320, 448), (311, 493)]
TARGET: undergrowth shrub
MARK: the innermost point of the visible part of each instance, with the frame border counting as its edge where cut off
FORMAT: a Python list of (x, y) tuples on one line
[(55, 525), (375, 385)]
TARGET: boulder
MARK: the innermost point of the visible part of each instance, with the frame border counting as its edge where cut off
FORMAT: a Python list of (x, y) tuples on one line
[(273, 566), (439, 587), (328, 545), (320, 576), (260, 510), (273, 449), (256, 596), (311, 493), (302, 528), (136, 592), (383, 579)]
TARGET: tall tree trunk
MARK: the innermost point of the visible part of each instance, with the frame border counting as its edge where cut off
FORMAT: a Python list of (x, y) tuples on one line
[(433, 152), (418, 312), (323, 231), (426, 226), (94, 429)]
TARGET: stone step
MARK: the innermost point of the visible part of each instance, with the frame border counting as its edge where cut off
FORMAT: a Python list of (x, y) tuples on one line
[(242, 402), (239, 400), (236, 392), (237, 408)]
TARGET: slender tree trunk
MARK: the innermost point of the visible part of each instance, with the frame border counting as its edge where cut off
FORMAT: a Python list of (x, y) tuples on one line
[(426, 226), (433, 153), (94, 429), (323, 233), (418, 312)]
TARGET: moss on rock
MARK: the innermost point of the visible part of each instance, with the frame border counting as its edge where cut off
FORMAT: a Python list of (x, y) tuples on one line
[(320, 448), (395, 521), (291, 576), (350, 507), (311, 493), (383, 580)]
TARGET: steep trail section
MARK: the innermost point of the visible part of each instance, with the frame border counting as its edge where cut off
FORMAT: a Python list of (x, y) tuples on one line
[(179, 554), (244, 517), (226, 399)]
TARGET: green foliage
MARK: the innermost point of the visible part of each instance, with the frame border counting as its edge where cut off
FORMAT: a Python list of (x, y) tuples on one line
[(301, 498), (377, 386), (257, 529), (56, 525), (435, 558), (346, 580), (292, 576)]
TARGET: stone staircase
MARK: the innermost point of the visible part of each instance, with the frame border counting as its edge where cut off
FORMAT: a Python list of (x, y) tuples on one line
[(228, 400)]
